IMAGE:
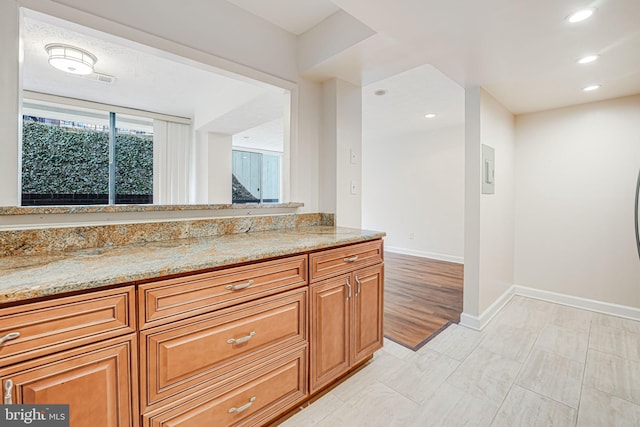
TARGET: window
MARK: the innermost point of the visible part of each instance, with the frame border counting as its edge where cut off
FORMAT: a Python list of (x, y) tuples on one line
[(74, 156), (256, 177)]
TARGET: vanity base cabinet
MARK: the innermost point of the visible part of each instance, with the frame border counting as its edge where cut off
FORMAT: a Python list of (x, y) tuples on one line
[(346, 311), (97, 381)]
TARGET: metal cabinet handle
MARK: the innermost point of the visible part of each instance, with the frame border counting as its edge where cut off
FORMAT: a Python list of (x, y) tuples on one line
[(8, 385), (9, 336), (348, 289), (238, 287), (240, 340), (243, 407), (359, 285), (351, 259)]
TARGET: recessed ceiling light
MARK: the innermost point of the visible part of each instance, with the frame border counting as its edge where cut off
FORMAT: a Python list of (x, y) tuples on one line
[(590, 88), (380, 92), (430, 115), (580, 15), (588, 59)]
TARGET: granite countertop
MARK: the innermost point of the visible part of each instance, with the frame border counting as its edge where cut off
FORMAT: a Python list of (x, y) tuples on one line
[(31, 276)]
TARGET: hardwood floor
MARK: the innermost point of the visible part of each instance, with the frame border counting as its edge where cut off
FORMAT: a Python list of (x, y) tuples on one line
[(421, 296)]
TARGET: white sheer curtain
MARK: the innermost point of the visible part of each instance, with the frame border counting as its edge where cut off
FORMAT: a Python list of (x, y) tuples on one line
[(172, 159)]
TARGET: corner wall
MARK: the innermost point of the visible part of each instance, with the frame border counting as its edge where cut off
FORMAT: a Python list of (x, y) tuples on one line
[(576, 174), (489, 218)]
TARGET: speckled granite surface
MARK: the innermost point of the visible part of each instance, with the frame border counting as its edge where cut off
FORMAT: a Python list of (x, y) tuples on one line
[(40, 241), (30, 276)]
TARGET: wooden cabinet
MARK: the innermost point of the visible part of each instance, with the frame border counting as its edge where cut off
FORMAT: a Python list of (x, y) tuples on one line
[(259, 394), (187, 356), (237, 346), (346, 316), (63, 351)]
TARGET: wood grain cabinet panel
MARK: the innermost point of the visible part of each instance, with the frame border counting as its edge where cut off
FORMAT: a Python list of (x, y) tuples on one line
[(328, 263), (260, 395), (188, 355), (96, 380), (346, 318), (51, 326), (174, 299)]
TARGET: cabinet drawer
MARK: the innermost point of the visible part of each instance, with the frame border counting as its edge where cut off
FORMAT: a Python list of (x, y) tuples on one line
[(51, 326), (341, 260), (174, 299), (250, 400), (190, 354)]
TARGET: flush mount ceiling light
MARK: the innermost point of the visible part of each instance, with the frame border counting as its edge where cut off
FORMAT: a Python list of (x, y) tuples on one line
[(70, 59), (588, 59), (591, 88), (580, 15), (430, 115)]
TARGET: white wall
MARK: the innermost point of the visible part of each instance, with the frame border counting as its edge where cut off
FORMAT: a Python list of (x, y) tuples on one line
[(9, 92), (576, 174), (341, 133), (489, 218), (413, 189)]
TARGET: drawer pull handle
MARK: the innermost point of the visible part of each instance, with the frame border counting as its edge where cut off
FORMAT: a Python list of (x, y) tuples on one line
[(238, 287), (351, 259), (10, 336), (348, 289), (240, 340), (358, 287), (8, 385), (243, 407)]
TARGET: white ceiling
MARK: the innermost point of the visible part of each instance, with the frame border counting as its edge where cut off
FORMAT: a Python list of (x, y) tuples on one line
[(522, 51)]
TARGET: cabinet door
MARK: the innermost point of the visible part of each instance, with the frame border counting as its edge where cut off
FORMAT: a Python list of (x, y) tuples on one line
[(330, 319), (96, 382), (368, 333)]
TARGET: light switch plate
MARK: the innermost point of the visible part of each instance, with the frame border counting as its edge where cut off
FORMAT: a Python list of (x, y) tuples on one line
[(488, 170), (354, 187)]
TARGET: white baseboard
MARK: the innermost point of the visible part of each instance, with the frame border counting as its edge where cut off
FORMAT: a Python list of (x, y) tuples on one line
[(422, 254), (618, 310), (479, 322)]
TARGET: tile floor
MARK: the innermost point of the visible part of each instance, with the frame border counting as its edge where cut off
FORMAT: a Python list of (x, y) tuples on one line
[(535, 364)]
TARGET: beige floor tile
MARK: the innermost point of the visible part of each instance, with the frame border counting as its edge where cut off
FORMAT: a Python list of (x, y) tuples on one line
[(396, 349), (452, 407), (571, 318), (313, 414), (375, 406), (614, 340), (509, 341), (485, 375), (553, 376), (601, 409), (616, 322), (563, 342), (422, 375), (516, 315), (613, 375), (526, 408), (456, 342)]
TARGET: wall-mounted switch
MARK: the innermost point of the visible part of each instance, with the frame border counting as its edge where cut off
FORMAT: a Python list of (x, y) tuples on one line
[(354, 187), (353, 156)]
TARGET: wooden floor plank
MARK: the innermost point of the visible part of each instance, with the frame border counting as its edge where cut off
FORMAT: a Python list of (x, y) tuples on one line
[(421, 296)]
